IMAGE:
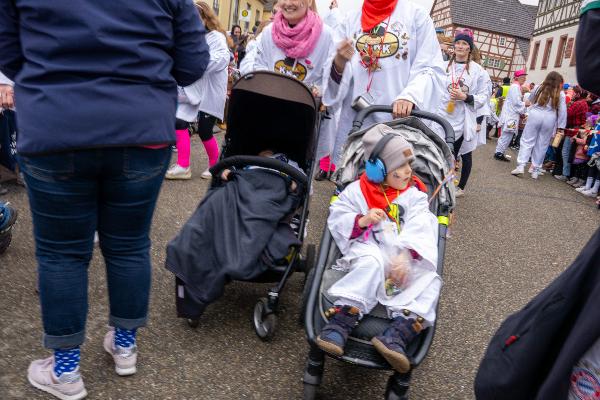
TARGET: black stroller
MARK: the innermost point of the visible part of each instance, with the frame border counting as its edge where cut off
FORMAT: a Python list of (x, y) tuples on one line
[(359, 350), (267, 111)]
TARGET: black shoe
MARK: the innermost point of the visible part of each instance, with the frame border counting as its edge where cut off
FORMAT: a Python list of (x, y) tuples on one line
[(501, 157), (3, 190), (323, 175)]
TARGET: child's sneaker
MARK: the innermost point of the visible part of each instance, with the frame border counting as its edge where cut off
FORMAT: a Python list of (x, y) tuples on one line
[(334, 335), (392, 344), (590, 193), (581, 189), (520, 170), (125, 357), (68, 386), (561, 178), (572, 180), (579, 183)]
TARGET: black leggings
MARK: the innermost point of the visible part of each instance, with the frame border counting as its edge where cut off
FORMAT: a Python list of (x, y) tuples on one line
[(467, 163), (579, 170), (594, 173), (181, 124), (206, 122)]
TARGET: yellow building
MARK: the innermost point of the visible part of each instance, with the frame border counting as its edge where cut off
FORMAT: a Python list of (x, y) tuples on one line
[(231, 12)]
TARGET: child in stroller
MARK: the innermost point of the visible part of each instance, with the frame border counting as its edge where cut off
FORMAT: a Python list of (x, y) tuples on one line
[(388, 237)]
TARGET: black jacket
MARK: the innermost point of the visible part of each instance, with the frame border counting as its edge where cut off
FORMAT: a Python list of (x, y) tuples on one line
[(588, 43), (533, 353)]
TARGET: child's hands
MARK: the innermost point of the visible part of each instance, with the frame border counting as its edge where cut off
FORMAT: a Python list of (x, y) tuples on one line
[(399, 270), (225, 174), (373, 217)]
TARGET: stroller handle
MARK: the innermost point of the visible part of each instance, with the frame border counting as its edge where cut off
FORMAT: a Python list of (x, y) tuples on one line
[(242, 161), (364, 113)]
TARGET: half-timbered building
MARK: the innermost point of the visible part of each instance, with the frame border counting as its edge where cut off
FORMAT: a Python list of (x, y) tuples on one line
[(553, 43), (502, 30)]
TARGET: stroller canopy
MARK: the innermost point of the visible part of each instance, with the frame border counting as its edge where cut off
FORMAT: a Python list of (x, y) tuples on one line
[(271, 111)]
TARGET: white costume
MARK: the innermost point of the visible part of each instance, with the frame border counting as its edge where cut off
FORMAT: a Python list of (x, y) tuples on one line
[(542, 123), (475, 82), (411, 65), (363, 285), (329, 144), (513, 108), (207, 94), (266, 56)]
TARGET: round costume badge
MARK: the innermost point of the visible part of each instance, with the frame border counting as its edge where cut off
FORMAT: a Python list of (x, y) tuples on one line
[(299, 71), (584, 384), (373, 44)]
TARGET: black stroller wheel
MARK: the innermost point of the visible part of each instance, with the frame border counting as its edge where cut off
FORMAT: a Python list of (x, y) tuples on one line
[(193, 323), (310, 391), (265, 321)]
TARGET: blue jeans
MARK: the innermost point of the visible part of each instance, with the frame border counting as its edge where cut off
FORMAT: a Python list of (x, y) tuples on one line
[(566, 152), (73, 194)]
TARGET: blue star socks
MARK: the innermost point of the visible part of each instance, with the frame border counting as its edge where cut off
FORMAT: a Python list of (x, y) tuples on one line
[(125, 337)]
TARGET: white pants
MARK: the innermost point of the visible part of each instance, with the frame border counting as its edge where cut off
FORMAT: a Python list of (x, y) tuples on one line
[(364, 282), (506, 137), (536, 137)]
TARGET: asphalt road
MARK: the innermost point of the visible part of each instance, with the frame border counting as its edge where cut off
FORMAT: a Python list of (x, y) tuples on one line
[(510, 238)]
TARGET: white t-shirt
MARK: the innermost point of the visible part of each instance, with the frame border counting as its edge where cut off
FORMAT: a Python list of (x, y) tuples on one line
[(585, 378)]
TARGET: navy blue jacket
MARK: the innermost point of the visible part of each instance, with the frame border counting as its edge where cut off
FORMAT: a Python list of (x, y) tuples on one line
[(92, 73)]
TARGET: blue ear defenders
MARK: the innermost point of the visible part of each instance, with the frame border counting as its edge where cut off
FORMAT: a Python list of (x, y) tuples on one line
[(375, 167)]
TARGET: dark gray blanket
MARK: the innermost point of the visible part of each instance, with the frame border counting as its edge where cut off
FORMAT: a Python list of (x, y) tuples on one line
[(224, 239)]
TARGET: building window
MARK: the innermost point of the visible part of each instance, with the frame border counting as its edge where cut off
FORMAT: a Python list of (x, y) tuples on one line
[(547, 53), (502, 41), (573, 55), (569, 49), (216, 6), (534, 55), (236, 12), (560, 52)]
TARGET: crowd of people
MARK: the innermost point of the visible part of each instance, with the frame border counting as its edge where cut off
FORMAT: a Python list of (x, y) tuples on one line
[(171, 71)]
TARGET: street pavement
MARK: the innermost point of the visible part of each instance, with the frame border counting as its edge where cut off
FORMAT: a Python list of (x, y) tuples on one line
[(510, 238)]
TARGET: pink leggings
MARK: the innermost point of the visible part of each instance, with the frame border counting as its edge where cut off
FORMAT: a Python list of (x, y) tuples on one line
[(184, 148), (326, 165)]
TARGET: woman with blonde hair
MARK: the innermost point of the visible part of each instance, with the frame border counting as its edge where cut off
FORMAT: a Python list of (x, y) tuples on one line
[(548, 111), (204, 99)]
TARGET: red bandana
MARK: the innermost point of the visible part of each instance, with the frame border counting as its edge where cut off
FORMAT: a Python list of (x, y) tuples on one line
[(374, 194), (375, 12)]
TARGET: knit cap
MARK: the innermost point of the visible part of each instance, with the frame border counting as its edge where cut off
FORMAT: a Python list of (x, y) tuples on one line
[(395, 153), (464, 34)]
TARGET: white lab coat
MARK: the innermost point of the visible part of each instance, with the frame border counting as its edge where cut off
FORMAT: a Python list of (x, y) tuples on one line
[(513, 108), (209, 93), (411, 65), (542, 123), (364, 259), (475, 82), (266, 56)]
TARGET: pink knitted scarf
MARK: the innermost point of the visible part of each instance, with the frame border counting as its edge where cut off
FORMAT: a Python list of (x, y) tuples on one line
[(301, 40)]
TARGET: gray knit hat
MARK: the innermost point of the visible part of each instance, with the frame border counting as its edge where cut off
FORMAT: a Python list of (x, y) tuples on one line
[(396, 152)]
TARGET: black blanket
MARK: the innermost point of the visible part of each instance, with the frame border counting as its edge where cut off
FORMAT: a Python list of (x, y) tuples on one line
[(224, 239)]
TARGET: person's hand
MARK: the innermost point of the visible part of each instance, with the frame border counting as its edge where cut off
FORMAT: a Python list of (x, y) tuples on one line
[(457, 94), (293, 186), (225, 174), (345, 51), (373, 217), (527, 103), (7, 96), (402, 108)]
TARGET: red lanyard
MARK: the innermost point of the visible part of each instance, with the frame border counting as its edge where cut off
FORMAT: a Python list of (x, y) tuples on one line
[(454, 84), (370, 72)]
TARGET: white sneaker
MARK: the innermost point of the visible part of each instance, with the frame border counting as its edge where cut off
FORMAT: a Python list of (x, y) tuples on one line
[(520, 170), (206, 174), (459, 192), (590, 193), (582, 189), (178, 172), (535, 174), (125, 358), (68, 386), (572, 181), (579, 183), (561, 177)]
